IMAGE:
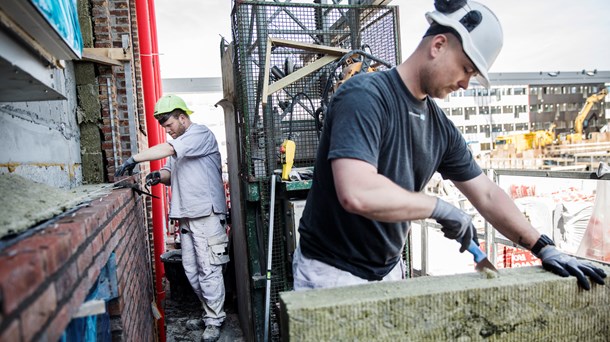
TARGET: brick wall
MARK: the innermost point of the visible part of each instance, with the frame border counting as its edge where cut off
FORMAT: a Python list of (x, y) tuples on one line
[(45, 278)]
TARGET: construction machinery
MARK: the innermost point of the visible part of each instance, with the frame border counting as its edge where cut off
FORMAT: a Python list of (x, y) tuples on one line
[(542, 138), (527, 141), (584, 116)]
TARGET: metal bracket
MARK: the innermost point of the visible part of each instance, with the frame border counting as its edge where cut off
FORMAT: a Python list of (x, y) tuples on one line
[(332, 54)]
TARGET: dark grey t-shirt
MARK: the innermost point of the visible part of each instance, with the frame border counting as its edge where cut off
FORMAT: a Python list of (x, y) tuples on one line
[(373, 117)]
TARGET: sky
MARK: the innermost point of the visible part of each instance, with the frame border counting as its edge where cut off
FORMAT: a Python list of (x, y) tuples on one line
[(539, 35)]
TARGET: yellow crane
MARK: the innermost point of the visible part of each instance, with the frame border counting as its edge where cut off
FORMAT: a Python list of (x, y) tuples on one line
[(577, 136)]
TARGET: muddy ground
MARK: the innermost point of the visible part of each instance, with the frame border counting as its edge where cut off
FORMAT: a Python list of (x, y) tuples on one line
[(179, 309), (184, 305)]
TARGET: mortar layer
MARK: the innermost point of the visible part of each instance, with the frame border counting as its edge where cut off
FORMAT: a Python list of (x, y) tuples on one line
[(523, 304)]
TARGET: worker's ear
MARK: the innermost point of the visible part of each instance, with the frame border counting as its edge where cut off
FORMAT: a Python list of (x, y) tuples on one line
[(437, 44), (183, 118)]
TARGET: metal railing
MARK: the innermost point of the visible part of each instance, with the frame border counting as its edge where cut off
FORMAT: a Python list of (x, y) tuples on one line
[(489, 234)]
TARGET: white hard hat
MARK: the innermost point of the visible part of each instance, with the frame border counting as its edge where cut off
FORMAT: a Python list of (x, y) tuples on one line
[(479, 30)]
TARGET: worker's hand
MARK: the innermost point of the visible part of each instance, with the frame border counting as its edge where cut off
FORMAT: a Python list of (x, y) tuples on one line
[(565, 265), (153, 178), (128, 166), (456, 224)]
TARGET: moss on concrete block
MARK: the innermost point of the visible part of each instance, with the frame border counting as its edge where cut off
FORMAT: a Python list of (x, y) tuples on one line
[(84, 19), (524, 304), (90, 138), (84, 73), (89, 103), (93, 168)]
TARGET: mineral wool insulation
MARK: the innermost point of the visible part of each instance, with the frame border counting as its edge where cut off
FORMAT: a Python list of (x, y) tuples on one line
[(24, 203), (523, 304)]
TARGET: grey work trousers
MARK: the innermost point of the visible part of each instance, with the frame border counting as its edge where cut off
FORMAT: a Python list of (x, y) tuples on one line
[(203, 271), (313, 274)]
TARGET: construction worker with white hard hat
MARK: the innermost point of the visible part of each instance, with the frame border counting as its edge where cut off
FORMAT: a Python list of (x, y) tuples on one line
[(383, 139), (198, 202)]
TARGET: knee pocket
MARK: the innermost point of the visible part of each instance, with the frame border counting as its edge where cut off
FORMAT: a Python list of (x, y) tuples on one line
[(219, 251)]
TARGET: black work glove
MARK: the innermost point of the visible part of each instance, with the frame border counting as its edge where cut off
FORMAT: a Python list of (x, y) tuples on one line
[(128, 166), (565, 265), (153, 178), (457, 225)]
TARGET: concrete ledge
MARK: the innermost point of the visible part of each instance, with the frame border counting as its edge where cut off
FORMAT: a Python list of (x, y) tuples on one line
[(523, 304)]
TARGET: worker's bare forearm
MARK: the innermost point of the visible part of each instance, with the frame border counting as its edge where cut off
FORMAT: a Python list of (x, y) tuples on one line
[(362, 191), (499, 210), (511, 222), (165, 177), (155, 153)]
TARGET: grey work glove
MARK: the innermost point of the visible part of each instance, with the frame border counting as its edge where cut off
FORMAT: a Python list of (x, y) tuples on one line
[(153, 178), (565, 265), (128, 166), (457, 225)]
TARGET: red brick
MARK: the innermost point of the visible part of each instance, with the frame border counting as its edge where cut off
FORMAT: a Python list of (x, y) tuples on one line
[(36, 315), (115, 306), (96, 245), (84, 260), (76, 231), (92, 274), (20, 275), (54, 248), (66, 282), (107, 232), (12, 332), (59, 324)]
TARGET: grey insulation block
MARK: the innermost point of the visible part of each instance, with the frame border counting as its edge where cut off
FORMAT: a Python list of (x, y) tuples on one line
[(522, 304)]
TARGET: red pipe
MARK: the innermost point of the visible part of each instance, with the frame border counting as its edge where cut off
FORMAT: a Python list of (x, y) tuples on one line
[(150, 98), (155, 51), (159, 88)]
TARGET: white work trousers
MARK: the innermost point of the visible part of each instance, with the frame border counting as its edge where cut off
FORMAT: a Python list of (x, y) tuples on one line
[(203, 271), (313, 274)]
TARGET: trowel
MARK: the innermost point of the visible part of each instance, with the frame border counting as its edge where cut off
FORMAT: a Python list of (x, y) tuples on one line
[(480, 258)]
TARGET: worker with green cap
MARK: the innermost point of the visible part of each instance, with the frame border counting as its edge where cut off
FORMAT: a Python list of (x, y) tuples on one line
[(198, 202)]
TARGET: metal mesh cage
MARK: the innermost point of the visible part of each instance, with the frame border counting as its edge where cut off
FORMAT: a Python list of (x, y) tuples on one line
[(373, 29), (295, 111)]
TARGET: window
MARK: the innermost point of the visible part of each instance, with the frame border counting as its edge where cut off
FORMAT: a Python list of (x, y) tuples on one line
[(468, 111), (471, 129), (519, 91), (496, 109), (481, 92), (521, 126), (469, 92), (508, 127), (484, 110), (485, 129), (507, 109), (456, 111)]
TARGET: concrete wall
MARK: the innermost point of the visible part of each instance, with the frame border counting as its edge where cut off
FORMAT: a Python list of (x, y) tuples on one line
[(522, 304), (41, 140)]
